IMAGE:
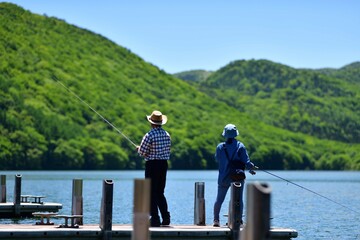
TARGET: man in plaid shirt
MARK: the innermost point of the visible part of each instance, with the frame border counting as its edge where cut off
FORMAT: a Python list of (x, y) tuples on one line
[(155, 148)]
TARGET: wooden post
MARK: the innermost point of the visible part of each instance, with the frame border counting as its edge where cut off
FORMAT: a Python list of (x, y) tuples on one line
[(258, 212), (234, 209), (3, 188), (106, 209), (141, 209), (77, 200), (199, 204), (17, 195)]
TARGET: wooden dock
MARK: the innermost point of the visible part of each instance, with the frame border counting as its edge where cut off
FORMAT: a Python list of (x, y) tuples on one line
[(258, 220), (7, 210), (23, 205), (123, 232)]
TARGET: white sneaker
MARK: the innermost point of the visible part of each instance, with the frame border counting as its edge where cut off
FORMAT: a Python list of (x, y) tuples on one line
[(216, 223)]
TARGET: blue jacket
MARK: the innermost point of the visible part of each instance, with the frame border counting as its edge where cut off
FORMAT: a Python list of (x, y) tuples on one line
[(240, 155)]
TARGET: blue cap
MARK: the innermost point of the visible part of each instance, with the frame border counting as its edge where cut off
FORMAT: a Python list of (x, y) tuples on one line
[(230, 131)]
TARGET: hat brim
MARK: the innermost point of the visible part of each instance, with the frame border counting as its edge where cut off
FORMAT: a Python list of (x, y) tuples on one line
[(164, 120), (230, 134)]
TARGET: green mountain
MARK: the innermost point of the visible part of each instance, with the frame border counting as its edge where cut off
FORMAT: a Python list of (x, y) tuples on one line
[(193, 75), (350, 73), (322, 103), (44, 126)]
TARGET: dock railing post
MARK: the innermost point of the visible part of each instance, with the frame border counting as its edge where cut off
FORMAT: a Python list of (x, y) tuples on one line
[(141, 209), (234, 209), (199, 204), (17, 194), (106, 209), (3, 188), (77, 200), (258, 212)]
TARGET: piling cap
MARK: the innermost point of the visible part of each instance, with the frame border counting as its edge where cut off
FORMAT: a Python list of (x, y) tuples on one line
[(230, 131), (157, 118)]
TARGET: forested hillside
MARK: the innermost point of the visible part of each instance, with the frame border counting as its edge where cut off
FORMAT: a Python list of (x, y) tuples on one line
[(323, 103), (43, 126), (194, 75), (350, 73)]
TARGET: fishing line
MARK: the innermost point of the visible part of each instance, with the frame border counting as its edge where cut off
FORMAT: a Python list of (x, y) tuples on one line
[(108, 122), (309, 190)]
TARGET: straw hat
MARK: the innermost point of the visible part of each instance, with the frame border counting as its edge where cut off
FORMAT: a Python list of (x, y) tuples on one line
[(157, 118)]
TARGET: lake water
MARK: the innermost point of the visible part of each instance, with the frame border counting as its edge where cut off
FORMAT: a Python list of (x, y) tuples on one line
[(313, 216)]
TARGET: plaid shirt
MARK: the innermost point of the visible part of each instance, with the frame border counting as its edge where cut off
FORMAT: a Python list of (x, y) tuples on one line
[(155, 145)]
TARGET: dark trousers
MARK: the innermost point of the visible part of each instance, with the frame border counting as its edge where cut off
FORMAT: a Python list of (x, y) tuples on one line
[(156, 170)]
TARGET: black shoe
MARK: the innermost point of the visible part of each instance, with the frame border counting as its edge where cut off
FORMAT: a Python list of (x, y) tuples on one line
[(155, 222), (166, 219)]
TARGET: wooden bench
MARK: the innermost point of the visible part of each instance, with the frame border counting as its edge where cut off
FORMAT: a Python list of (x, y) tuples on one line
[(36, 199), (72, 220), (24, 198), (43, 215)]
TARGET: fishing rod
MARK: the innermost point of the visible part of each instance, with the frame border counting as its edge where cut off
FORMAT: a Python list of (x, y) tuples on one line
[(307, 189), (101, 116)]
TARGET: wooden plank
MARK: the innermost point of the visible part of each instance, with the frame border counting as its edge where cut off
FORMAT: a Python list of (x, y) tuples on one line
[(91, 231)]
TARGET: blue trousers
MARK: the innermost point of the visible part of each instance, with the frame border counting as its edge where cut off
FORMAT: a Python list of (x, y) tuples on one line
[(221, 194)]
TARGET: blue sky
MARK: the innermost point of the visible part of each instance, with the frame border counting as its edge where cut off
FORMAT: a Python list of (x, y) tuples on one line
[(208, 34)]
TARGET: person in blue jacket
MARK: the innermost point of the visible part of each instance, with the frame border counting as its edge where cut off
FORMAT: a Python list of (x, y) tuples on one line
[(235, 150)]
